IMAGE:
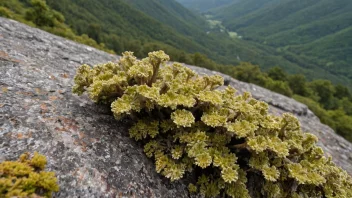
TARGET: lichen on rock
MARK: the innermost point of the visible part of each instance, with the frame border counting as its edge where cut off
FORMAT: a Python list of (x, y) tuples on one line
[(27, 178), (191, 129)]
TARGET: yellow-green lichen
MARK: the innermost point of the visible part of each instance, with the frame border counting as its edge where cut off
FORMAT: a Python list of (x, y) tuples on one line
[(26, 178), (222, 140)]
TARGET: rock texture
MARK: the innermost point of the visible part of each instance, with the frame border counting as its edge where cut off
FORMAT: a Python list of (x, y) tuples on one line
[(90, 151)]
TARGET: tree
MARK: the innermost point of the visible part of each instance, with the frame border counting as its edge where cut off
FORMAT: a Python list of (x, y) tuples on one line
[(4, 12), (203, 61), (343, 123), (325, 90), (114, 42), (346, 105), (299, 85), (94, 31), (276, 73), (342, 92), (279, 87), (41, 15), (250, 73)]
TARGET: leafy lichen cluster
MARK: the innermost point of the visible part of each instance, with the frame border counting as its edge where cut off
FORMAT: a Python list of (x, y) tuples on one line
[(191, 128), (26, 178)]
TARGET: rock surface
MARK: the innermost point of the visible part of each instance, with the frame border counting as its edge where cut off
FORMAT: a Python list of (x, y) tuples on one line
[(92, 153)]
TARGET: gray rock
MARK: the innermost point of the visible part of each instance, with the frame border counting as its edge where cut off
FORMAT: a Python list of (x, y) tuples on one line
[(92, 153)]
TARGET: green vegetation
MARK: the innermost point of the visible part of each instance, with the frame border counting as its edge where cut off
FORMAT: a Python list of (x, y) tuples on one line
[(317, 32), (26, 178), (36, 13), (205, 5), (331, 103), (142, 27), (323, 98), (121, 26), (171, 13), (216, 139)]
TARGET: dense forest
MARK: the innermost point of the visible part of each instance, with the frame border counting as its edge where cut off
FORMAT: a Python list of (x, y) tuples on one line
[(120, 25), (205, 5), (140, 27), (317, 32), (37, 13)]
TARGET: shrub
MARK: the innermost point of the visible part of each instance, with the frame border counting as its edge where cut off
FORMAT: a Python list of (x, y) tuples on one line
[(26, 178), (343, 123), (4, 12), (320, 112), (250, 73), (281, 87), (221, 140)]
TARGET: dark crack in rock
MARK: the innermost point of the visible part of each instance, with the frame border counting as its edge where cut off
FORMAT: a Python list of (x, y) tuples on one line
[(92, 153)]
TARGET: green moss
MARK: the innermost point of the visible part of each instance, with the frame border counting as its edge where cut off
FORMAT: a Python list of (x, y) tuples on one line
[(190, 128), (26, 178)]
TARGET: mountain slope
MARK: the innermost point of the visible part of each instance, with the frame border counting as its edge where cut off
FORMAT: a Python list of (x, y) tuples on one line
[(318, 30), (132, 25), (204, 5), (174, 15), (117, 17), (273, 16), (170, 12)]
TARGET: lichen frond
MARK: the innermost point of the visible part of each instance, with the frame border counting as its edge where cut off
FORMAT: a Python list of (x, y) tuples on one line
[(27, 178), (183, 118), (185, 124)]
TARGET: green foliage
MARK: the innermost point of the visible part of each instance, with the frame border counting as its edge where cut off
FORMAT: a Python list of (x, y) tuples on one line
[(277, 73), (26, 178), (302, 28), (204, 5), (143, 26), (299, 85), (42, 15), (343, 123), (5, 12), (191, 129), (317, 109), (325, 91), (275, 80), (279, 87), (346, 105), (321, 96), (38, 14), (342, 92), (338, 119), (248, 72)]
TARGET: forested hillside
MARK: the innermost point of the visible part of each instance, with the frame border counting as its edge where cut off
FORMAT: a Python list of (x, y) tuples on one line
[(171, 13), (37, 14), (141, 27), (204, 5), (154, 25), (318, 31), (121, 26), (135, 25)]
